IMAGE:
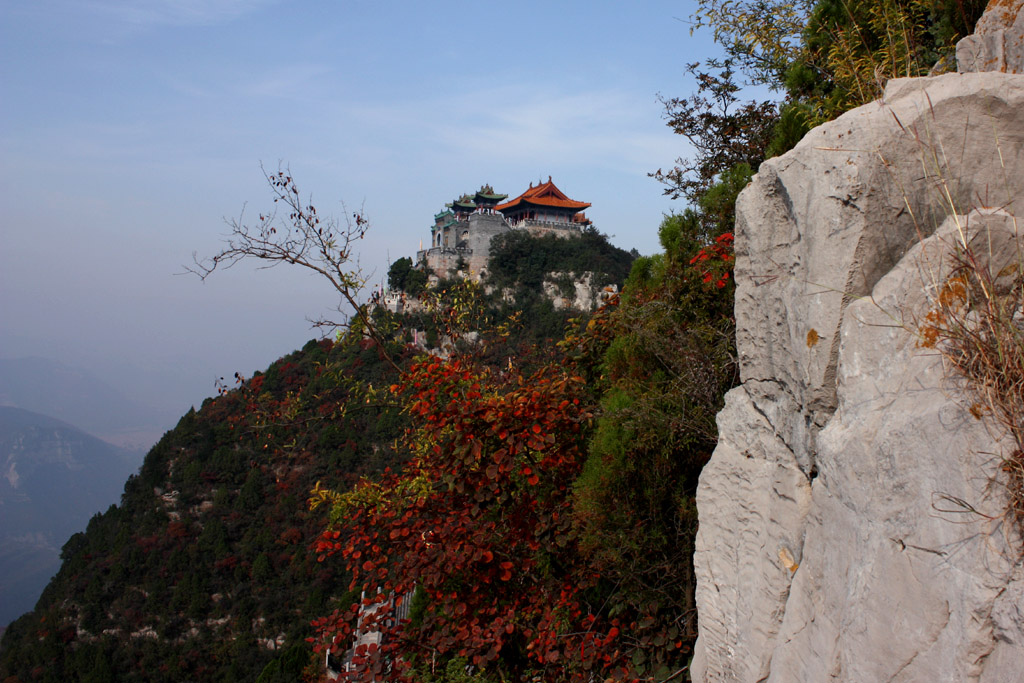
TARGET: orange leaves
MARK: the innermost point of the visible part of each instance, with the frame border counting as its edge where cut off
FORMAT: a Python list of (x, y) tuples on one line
[(939, 321), (327, 544)]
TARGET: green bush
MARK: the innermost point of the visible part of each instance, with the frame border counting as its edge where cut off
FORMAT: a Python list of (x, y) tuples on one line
[(670, 361), (521, 260)]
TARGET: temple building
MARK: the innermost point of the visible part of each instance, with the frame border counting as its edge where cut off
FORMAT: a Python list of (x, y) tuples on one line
[(461, 235), (451, 225), (544, 208)]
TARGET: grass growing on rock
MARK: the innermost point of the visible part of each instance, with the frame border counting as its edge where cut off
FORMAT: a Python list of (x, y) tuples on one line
[(975, 322), (975, 318)]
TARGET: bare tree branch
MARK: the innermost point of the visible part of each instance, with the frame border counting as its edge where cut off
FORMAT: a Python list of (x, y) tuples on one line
[(293, 233)]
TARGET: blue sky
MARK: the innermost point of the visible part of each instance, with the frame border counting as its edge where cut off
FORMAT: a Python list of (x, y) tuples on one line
[(130, 129)]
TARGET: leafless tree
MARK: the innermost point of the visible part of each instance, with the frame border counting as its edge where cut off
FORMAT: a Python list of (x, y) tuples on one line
[(293, 233)]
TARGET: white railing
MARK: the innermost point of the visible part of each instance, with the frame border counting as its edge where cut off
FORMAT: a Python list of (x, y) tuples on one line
[(526, 222)]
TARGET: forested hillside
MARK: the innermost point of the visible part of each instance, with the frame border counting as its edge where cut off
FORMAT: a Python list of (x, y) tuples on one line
[(203, 572)]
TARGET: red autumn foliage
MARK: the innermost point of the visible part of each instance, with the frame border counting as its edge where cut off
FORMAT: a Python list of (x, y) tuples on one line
[(715, 261), (480, 523)]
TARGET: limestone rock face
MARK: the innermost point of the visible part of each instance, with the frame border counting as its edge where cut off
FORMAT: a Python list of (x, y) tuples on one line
[(584, 295), (997, 43), (849, 526)]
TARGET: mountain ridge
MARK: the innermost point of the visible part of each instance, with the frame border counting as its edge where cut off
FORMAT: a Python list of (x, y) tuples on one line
[(53, 478), (79, 398)]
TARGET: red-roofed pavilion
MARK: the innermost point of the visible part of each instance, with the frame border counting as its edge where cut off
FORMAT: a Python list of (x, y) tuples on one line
[(544, 203)]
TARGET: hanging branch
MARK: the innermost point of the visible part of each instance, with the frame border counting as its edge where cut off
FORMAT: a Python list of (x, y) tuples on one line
[(294, 233)]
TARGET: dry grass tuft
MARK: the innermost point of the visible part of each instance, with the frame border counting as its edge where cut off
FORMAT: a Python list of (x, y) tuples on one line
[(976, 309), (977, 323), (1013, 468)]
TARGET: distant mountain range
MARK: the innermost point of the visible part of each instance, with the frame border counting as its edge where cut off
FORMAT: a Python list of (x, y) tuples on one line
[(53, 478), (48, 387), (68, 442)]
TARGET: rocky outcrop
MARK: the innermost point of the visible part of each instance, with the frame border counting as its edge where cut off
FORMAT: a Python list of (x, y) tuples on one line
[(849, 525), (570, 291), (997, 43)]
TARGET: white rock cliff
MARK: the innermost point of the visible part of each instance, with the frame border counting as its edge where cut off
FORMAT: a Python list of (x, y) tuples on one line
[(850, 526)]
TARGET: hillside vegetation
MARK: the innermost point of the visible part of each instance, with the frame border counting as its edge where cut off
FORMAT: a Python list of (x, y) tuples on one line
[(203, 572), (525, 275)]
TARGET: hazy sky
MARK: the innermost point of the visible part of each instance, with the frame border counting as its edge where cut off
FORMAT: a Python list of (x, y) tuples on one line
[(130, 128)]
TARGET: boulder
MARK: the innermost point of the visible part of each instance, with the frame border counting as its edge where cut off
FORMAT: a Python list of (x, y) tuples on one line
[(851, 523), (997, 43)]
